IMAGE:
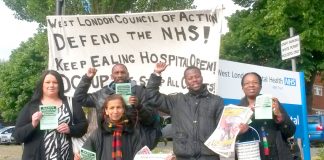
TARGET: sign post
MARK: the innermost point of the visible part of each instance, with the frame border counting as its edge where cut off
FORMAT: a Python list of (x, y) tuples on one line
[(290, 48)]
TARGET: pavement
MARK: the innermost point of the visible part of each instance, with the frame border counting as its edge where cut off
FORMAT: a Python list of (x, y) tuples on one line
[(167, 148)]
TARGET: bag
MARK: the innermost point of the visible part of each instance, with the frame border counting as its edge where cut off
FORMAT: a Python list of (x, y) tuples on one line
[(77, 143), (248, 150), (294, 148)]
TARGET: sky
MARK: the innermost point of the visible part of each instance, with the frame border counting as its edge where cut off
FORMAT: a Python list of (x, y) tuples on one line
[(14, 31)]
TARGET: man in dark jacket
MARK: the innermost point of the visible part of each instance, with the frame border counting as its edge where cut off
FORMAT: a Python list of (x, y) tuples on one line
[(195, 115), (139, 111)]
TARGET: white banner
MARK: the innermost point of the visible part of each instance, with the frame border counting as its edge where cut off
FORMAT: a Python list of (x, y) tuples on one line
[(139, 40)]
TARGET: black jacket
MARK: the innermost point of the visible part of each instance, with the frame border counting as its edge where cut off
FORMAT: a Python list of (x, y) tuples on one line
[(277, 135), (148, 117), (194, 118), (100, 142), (33, 137)]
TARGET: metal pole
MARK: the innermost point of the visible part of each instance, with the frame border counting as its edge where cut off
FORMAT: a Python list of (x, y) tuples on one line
[(304, 153), (59, 7), (293, 60)]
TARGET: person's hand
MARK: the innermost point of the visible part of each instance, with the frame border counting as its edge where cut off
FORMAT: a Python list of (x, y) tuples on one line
[(275, 107), (252, 107), (133, 101), (36, 117), (91, 72), (276, 110), (171, 157), (243, 128), (63, 128), (77, 156), (160, 67)]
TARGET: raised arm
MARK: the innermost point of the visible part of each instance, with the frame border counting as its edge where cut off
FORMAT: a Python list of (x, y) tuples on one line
[(159, 68), (81, 92), (153, 95)]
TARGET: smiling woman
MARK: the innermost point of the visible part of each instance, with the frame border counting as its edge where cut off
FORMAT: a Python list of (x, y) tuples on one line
[(13, 31)]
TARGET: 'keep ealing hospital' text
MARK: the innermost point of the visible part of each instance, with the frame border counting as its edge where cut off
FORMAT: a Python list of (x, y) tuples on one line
[(145, 58)]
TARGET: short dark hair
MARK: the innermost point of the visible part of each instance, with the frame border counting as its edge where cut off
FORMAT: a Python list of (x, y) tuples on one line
[(190, 68), (253, 73), (118, 64), (38, 92)]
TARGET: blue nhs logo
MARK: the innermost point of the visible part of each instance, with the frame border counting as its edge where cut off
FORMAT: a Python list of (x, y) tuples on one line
[(290, 81)]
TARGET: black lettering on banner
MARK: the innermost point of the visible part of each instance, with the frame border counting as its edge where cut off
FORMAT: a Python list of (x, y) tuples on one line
[(98, 21), (164, 58), (56, 23), (150, 58), (168, 18), (135, 19), (59, 44), (207, 17), (180, 33), (185, 17), (140, 35), (206, 33), (143, 80), (193, 30), (162, 81), (99, 61), (75, 80), (211, 87), (69, 83), (174, 60), (67, 66), (173, 83), (83, 63), (202, 64), (95, 21), (98, 81), (94, 40), (83, 40), (71, 41), (94, 61), (183, 83)]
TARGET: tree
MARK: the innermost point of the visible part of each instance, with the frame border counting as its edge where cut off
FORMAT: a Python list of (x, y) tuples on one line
[(36, 10), (19, 75), (255, 33)]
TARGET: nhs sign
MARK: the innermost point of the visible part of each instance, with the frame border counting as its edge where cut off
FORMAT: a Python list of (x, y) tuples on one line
[(289, 81)]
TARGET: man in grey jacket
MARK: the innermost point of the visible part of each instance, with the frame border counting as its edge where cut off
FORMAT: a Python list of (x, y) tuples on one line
[(195, 115), (139, 110)]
